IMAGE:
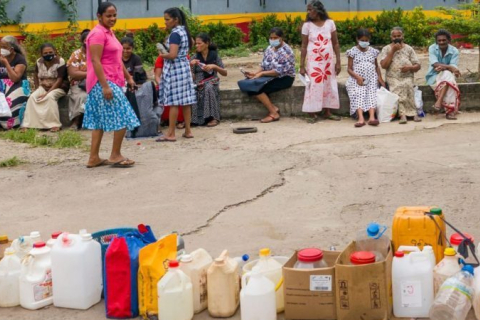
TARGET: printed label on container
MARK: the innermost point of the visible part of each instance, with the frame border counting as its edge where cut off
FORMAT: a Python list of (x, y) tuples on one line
[(44, 289), (411, 294), (320, 283)]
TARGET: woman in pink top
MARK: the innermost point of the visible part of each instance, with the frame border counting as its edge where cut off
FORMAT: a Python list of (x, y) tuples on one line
[(107, 108)]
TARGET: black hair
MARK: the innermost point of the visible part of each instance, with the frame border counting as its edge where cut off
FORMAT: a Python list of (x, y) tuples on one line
[(363, 33), (443, 32), (177, 13), (278, 32), (320, 8), (103, 7), (84, 35), (206, 39), (128, 40), (13, 42), (47, 45)]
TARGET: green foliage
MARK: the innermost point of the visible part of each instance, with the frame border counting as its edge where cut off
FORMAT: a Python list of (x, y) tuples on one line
[(418, 29), (240, 51), (63, 139), (260, 30), (223, 35), (194, 23), (12, 162), (145, 41), (4, 19), (69, 8)]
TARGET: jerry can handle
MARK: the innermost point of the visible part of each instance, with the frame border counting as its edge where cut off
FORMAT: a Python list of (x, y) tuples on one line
[(409, 249), (244, 278)]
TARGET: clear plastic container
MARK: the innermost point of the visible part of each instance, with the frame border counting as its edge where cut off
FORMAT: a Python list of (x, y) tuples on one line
[(446, 268), (242, 261), (373, 239), (310, 258), (454, 299), (362, 258)]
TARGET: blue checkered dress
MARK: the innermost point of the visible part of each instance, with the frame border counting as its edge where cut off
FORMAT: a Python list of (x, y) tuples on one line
[(176, 87)]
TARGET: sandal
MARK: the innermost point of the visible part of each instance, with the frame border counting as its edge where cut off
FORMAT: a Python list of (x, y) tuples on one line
[(359, 124), (333, 117), (373, 123), (451, 116), (187, 136), (312, 120), (165, 139), (213, 123), (403, 120), (103, 162), (269, 119), (125, 163)]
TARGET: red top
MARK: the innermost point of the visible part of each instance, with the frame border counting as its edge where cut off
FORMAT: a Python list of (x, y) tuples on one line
[(159, 63), (457, 239), (362, 257), (310, 255), (39, 245)]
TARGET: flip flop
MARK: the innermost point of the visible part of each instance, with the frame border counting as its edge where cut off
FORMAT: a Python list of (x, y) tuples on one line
[(187, 137), (125, 163), (333, 117), (373, 123), (164, 139), (104, 162), (271, 117), (214, 124), (359, 124)]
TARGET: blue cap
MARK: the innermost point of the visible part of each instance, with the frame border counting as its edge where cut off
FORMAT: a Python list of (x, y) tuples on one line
[(373, 229), (245, 257), (469, 269)]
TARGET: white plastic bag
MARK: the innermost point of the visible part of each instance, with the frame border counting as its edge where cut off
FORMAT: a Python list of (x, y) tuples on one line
[(419, 102), (4, 107), (387, 105)]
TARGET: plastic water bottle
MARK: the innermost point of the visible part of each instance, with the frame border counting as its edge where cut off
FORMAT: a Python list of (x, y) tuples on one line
[(373, 239), (242, 261), (454, 299)]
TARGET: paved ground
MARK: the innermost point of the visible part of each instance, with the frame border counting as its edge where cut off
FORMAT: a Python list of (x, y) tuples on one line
[(289, 186)]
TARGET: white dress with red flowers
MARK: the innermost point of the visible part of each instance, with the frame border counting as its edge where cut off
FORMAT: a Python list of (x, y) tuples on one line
[(320, 66)]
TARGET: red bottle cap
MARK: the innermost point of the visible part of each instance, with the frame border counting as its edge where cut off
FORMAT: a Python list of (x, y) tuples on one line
[(310, 255), (362, 257), (399, 254), (55, 235), (456, 239), (173, 264), (39, 245)]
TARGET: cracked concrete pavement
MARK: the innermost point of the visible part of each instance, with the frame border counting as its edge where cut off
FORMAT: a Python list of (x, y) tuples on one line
[(291, 185)]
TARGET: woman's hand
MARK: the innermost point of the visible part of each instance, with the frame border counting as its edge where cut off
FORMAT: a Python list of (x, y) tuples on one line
[(396, 47), (338, 67), (194, 62), (257, 75), (209, 67), (4, 60), (131, 84), (360, 81), (406, 69), (249, 74), (382, 83), (303, 72), (107, 93)]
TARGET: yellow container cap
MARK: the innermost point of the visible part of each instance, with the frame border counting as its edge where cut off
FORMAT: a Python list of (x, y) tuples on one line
[(450, 252), (264, 252), (3, 238)]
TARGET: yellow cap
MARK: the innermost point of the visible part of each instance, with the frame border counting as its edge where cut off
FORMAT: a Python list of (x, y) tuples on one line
[(3, 238), (264, 252), (450, 252)]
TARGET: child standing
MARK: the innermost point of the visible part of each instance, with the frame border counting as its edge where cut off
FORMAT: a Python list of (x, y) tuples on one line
[(365, 75)]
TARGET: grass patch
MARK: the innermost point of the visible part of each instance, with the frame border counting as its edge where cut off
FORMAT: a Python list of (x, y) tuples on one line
[(62, 139), (238, 52), (12, 162)]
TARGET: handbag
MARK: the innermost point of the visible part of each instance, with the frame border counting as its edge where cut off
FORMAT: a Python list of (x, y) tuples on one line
[(254, 85), (4, 107)]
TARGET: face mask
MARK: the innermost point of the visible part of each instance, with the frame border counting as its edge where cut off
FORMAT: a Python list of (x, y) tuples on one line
[(275, 43), (363, 44), (5, 52), (48, 57), (397, 40)]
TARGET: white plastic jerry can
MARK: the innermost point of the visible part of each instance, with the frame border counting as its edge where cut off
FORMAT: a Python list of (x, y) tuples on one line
[(23, 245), (10, 267), (272, 269), (257, 297), (175, 294), (76, 271), (36, 278), (412, 281)]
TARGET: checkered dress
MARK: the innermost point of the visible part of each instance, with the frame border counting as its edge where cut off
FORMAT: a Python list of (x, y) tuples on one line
[(176, 87)]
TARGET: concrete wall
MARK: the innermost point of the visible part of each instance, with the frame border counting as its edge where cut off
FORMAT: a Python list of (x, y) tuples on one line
[(48, 11)]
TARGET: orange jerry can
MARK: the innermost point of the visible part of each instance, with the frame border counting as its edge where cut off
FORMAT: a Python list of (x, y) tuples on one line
[(411, 227)]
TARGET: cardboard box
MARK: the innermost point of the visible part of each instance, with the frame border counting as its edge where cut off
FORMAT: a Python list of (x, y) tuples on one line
[(363, 292), (310, 294)]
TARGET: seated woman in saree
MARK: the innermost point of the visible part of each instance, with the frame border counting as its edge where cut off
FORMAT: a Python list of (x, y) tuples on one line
[(442, 71), (51, 83), (77, 71), (206, 65), (279, 67), (13, 80), (401, 62)]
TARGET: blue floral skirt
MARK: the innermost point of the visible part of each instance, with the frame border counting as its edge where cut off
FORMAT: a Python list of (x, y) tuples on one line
[(109, 115)]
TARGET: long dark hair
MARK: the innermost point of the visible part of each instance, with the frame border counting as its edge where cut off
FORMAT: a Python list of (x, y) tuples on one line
[(206, 39), (363, 33), (177, 13), (84, 35), (102, 8), (320, 8)]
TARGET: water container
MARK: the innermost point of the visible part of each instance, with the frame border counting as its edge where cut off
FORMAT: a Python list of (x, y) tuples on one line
[(4, 244), (257, 298), (76, 271), (456, 239), (272, 269), (53, 238), (195, 265), (10, 267), (411, 227), (175, 295), (373, 239), (445, 269), (429, 250), (476, 298), (412, 283), (454, 299), (310, 258), (223, 283), (360, 258), (23, 245), (36, 278)]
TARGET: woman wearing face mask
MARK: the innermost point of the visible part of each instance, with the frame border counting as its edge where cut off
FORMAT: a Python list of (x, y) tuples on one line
[(278, 62), (51, 83), (320, 61), (401, 62), (206, 65), (176, 86), (13, 80), (365, 76), (77, 71), (107, 108)]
